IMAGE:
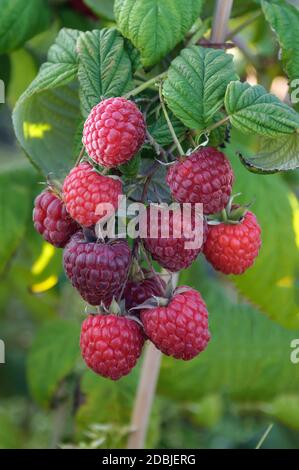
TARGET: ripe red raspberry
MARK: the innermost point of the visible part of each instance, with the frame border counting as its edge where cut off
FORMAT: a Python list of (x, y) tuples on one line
[(111, 345), (84, 189), (170, 250), (205, 177), (232, 249), (181, 328), (51, 219), (113, 132), (137, 292), (97, 270)]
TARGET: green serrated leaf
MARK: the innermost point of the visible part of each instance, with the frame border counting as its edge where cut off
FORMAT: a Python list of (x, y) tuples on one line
[(46, 115), (20, 21), (253, 110), (155, 26), (102, 8), (61, 67), (159, 129), (134, 55), (52, 357), (196, 84), (281, 154), (105, 68), (284, 20)]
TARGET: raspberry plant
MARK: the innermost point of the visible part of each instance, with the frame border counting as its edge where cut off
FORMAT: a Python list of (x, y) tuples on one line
[(155, 113)]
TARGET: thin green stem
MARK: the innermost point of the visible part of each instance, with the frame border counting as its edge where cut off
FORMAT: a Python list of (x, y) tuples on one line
[(173, 146), (151, 267), (169, 123), (80, 156), (192, 141), (216, 125), (145, 85)]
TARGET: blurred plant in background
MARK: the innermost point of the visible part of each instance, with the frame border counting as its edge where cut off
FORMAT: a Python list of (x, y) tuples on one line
[(245, 380)]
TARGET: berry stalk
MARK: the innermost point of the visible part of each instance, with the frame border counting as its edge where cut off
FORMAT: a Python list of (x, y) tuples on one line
[(170, 126), (145, 85)]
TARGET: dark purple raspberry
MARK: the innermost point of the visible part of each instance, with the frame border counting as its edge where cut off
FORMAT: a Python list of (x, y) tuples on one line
[(97, 270), (171, 251), (52, 220), (137, 292)]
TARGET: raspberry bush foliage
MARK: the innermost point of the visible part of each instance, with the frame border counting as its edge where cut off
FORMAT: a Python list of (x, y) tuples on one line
[(147, 106), (111, 90)]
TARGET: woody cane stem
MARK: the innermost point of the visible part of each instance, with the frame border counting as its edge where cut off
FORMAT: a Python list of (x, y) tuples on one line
[(146, 392)]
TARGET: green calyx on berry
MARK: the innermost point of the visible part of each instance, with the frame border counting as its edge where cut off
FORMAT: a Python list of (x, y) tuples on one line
[(159, 301), (54, 185), (115, 308), (233, 214)]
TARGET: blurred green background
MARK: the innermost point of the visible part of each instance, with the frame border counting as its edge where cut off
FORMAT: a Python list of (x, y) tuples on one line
[(231, 394)]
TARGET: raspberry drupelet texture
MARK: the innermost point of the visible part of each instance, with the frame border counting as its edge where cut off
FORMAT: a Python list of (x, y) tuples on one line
[(232, 249), (137, 292), (111, 345), (97, 270), (204, 177), (51, 219), (173, 251), (114, 132), (179, 329), (84, 190)]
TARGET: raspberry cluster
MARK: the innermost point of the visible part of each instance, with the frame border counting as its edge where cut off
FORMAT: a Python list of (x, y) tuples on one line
[(134, 303), (113, 132)]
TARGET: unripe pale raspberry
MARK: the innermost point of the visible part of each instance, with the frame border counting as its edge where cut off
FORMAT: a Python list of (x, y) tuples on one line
[(97, 270), (84, 190), (114, 132), (204, 177), (172, 251), (51, 219), (232, 249), (179, 329), (111, 345)]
